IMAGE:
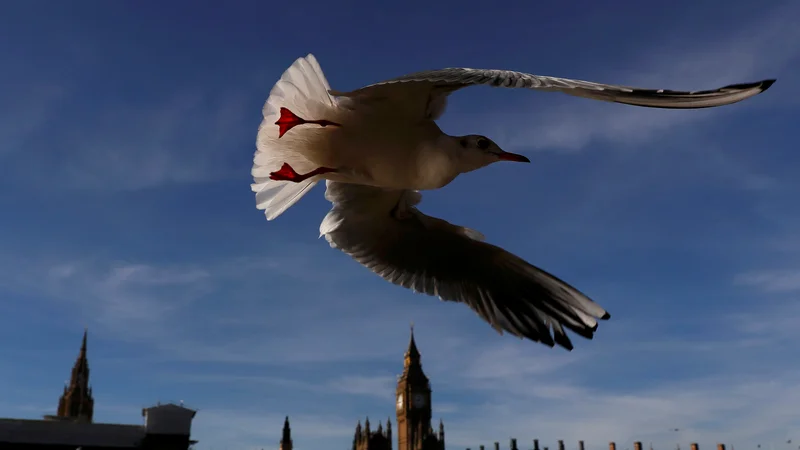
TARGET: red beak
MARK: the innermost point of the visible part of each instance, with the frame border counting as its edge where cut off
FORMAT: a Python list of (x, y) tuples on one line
[(506, 156)]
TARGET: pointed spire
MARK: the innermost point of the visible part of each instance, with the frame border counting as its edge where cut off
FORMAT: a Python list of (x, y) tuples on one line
[(412, 354), (286, 439), (366, 426), (82, 364), (287, 431), (83, 344), (357, 437), (380, 427), (80, 371), (77, 403)]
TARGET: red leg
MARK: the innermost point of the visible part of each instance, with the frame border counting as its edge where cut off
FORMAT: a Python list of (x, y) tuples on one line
[(289, 120), (287, 173)]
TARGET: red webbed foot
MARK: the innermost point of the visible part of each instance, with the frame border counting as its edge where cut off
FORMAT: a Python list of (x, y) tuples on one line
[(289, 120)]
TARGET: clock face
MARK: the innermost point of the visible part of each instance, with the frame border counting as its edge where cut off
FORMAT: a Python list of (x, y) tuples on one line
[(419, 400), (399, 401)]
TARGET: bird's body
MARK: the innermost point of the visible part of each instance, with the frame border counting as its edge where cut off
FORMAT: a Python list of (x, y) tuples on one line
[(379, 145), (405, 154), (385, 134)]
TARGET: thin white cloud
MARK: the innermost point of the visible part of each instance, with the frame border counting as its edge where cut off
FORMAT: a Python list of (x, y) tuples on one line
[(246, 299), (763, 49), (742, 407), (184, 138), (256, 381), (491, 364), (486, 387), (783, 280), (376, 386), (724, 408)]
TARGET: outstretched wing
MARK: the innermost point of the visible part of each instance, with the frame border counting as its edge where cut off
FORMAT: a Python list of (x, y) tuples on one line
[(429, 90), (382, 230)]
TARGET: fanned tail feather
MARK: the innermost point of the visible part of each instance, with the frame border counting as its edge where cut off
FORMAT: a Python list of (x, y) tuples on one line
[(303, 90)]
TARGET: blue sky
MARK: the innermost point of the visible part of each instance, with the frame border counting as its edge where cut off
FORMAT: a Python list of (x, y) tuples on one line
[(127, 132)]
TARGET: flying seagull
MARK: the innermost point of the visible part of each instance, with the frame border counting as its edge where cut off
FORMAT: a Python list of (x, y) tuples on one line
[(385, 134), (383, 230)]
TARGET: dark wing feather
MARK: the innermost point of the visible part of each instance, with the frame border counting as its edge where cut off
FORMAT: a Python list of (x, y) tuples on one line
[(382, 230)]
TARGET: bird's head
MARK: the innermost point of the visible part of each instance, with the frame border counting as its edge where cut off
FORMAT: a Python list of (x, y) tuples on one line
[(476, 151)]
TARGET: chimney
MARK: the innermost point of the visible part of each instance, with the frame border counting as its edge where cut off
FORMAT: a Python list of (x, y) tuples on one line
[(612, 446), (694, 446), (637, 445), (535, 444), (720, 446), (561, 445), (481, 447), (497, 446), (580, 445), (513, 444)]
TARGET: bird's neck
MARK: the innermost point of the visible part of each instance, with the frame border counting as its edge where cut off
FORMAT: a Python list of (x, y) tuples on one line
[(437, 162)]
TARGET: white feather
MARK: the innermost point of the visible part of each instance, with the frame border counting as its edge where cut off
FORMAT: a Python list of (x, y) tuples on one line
[(303, 90)]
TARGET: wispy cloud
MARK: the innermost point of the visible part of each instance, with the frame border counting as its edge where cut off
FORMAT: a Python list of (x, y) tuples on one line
[(763, 49), (255, 307), (377, 386), (131, 300), (728, 408), (784, 280), (187, 138), (191, 136), (560, 401), (485, 386)]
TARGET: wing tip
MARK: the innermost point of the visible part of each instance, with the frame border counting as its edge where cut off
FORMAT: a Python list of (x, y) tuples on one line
[(564, 342), (605, 316), (762, 85)]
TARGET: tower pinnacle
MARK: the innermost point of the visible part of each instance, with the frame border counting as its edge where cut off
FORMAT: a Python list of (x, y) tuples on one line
[(412, 354), (286, 439), (77, 403)]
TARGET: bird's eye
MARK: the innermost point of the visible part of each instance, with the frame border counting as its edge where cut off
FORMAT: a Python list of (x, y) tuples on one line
[(483, 144)]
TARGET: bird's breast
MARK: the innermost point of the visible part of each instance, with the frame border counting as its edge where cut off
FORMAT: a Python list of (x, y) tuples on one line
[(434, 169)]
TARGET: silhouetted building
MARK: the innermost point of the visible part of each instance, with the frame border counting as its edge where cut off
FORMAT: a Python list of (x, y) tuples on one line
[(366, 439), (166, 427), (414, 430), (76, 403), (286, 439)]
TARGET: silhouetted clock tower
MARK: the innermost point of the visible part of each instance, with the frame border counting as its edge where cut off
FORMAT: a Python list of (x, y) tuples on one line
[(414, 431)]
